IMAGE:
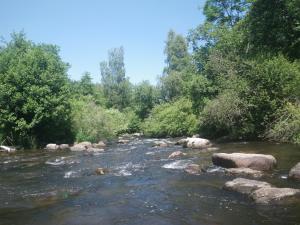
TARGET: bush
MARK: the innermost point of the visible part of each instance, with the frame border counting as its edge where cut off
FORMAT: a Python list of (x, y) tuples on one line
[(171, 119), (286, 128), (94, 123)]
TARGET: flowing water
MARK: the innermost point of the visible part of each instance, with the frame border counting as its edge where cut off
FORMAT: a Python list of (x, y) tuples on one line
[(142, 186)]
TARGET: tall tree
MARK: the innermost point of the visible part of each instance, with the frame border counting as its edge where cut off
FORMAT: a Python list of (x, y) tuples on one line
[(116, 86)]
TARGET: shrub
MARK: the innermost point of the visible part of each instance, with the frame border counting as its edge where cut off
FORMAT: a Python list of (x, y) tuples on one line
[(286, 128), (171, 119)]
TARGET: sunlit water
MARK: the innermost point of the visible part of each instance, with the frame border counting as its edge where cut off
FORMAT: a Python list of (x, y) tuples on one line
[(143, 186)]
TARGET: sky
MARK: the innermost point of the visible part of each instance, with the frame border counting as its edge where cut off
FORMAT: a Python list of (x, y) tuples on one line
[(85, 30)]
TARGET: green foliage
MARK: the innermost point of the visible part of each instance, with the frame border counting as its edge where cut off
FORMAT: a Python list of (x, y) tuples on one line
[(274, 26), (33, 93), (286, 127), (94, 123), (116, 87), (171, 119), (145, 96)]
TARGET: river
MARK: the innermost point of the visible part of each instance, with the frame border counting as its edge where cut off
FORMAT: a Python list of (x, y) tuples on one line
[(142, 186)]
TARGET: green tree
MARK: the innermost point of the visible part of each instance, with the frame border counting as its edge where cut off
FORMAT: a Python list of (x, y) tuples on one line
[(116, 86), (33, 93)]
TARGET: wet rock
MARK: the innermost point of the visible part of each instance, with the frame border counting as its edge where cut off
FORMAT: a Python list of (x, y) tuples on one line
[(198, 143), (4, 148), (162, 143), (100, 144), (82, 146), (244, 172), (245, 186), (268, 195), (52, 147), (123, 141), (176, 154), (138, 135), (194, 169), (95, 150), (182, 141), (64, 147), (101, 171), (295, 172), (238, 160)]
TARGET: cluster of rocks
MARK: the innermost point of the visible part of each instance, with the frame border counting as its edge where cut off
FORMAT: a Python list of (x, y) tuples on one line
[(126, 138), (194, 142), (262, 192), (254, 165), (82, 146)]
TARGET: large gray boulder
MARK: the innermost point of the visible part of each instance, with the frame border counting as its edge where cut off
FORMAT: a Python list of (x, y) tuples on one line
[(268, 195), (295, 172), (245, 186), (243, 160), (197, 143)]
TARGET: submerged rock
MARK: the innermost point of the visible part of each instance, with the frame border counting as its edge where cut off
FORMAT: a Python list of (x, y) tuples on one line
[(295, 172), (197, 143), (4, 148), (243, 160), (162, 143), (268, 195), (176, 154), (194, 169), (244, 172), (245, 186), (101, 171)]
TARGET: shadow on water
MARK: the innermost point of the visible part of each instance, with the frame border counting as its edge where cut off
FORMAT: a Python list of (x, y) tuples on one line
[(143, 186)]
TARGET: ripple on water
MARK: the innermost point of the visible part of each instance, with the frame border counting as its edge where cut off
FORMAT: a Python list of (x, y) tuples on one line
[(128, 168), (178, 164)]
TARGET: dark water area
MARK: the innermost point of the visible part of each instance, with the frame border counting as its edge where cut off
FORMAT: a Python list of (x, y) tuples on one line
[(142, 186)]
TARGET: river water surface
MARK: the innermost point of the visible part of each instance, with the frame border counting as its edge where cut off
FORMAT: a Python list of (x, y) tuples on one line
[(142, 187)]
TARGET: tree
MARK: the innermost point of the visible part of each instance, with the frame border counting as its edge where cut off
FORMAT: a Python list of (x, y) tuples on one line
[(116, 86), (225, 12), (33, 93), (274, 26)]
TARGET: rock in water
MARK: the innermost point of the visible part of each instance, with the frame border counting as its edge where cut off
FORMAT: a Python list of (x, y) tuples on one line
[(194, 169), (52, 147), (176, 154), (101, 171), (295, 172), (243, 160), (161, 143), (64, 147), (82, 146), (245, 186), (7, 149), (244, 172), (197, 143), (268, 195), (100, 144)]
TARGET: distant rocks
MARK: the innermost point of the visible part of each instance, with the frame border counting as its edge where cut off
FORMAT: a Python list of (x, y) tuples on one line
[(176, 154), (244, 160), (100, 144), (262, 192), (8, 149), (53, 147), (194, 142), (295, 172), (77, 147), (162, 143)]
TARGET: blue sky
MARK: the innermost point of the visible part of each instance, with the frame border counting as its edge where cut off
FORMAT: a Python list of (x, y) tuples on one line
[(86, 29)]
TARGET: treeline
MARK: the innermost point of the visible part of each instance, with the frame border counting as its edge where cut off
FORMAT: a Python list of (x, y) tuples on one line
[(237, 75)]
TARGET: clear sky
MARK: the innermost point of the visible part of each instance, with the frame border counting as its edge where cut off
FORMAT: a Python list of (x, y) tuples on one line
[(86, 29)]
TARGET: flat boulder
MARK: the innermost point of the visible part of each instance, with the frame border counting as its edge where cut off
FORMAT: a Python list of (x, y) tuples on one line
[(267, 195), (295, 172), (244, 160), (197, 143), (245, 186), (244, 172), (176, 154)]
